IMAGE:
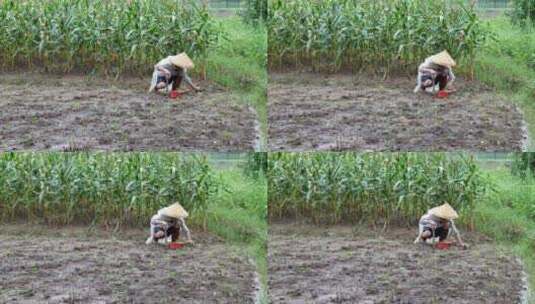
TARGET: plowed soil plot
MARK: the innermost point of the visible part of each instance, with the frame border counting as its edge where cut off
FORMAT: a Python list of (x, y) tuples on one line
[(341, 112), (63, 266), (338, 265), (75, 113)]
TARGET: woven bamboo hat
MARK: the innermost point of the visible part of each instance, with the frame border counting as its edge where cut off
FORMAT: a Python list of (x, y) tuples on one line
[(444, 211), (443, 58), (182, 60), (174, 211)]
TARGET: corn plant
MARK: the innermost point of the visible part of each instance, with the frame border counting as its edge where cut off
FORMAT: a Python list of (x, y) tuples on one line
[(111, 37), (385, 35), (370, 187), (101, 188)]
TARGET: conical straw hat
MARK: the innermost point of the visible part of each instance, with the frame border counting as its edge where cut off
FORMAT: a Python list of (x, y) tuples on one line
[(174, 211), (182, 60), (445, 211), (443, 58)]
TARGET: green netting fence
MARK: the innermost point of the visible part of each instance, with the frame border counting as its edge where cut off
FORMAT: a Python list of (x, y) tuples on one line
[(492, 4)]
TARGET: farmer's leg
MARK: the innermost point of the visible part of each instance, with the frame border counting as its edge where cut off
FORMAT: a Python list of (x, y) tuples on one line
[(442, 233), (442, 81), (177, 81), (427, 234), (174, 232), (156, 233)]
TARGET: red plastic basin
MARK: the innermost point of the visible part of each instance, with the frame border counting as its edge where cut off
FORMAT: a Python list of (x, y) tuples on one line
[(442, 245), (174, 94), (176, 245), (442, 94)]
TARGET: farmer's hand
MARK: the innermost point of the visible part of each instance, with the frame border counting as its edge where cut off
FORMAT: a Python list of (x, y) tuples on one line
[(463, 246), (189, 242)]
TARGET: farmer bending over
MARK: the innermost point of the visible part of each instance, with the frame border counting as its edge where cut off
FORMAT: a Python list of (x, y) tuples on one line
[(438, 223), (436, 69), (171, 71), (168, 222)]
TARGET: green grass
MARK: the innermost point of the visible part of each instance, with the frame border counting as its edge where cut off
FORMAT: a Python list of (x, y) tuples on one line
[(238, 214), (501, 215), (507, 63), (238, 62)]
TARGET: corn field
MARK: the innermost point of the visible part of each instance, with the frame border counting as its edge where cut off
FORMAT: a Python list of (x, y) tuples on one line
[(370, 187), (100, 188), (381, 35), (111, 37)]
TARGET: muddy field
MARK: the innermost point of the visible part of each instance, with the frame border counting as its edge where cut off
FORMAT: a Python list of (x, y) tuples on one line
[(344, 265), (75, 113), (342, 112), (72, 266)]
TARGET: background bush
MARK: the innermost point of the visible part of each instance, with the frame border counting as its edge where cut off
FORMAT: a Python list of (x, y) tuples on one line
[(523, 164), (256, 10), (523, 12), (256, 164)]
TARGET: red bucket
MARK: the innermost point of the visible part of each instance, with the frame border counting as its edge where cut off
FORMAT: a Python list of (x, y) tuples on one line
[(442, 94), (176, 245), (442, 245), (174, 94)]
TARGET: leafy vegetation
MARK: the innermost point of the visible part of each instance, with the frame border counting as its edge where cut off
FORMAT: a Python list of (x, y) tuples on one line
[(256, 164), (102, 188), (523, 164), (372, 187), (523, 12), (507, 214), (238, 62), (370, 34), (112, 37), (256, 10), (238, 213), (507, 63)]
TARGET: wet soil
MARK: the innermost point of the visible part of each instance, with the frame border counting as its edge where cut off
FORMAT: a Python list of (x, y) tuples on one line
[(47, 112), (73, 266), (345, 112), (347, 265)]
